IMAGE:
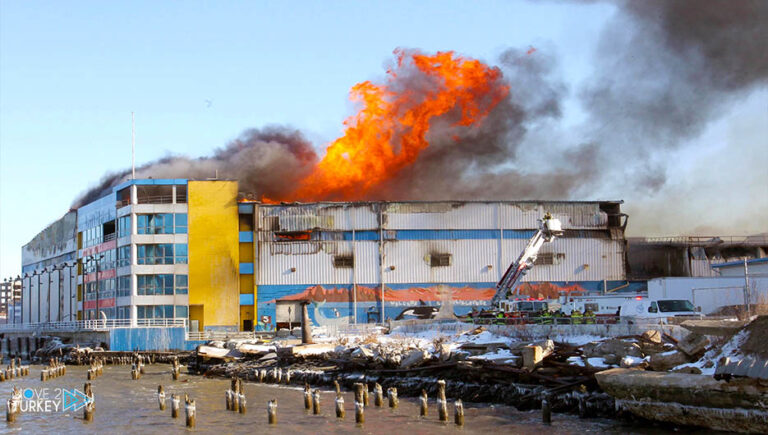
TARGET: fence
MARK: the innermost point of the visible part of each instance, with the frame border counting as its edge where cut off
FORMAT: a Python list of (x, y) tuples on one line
[(93, 325)]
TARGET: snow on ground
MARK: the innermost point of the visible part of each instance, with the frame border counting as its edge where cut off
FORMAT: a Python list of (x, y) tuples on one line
[(500, 356), (598, 362), (713, 355), (576, 361), (576, 340)]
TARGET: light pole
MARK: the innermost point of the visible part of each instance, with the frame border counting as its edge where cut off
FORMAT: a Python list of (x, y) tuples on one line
[(71, 296), (9, 283), (29, 286), (98, 257)]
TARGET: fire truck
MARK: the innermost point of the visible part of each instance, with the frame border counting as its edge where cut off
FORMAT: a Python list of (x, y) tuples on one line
[(503, 303)]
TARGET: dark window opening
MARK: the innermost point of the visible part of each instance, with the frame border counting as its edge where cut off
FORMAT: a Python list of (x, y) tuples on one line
[(108, 229), (154, 194), (549, 258), (292, 236), (124, 197), (181, 193), (343, 261), (439, 260)]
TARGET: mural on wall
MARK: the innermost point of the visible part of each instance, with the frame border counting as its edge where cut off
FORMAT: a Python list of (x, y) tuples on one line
[(333, 306)]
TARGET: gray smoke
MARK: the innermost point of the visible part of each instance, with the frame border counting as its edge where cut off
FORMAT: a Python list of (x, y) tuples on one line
[(663, 71), (268, 161)]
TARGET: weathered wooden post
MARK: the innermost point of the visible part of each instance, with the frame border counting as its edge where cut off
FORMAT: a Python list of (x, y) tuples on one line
[(235, 389), (424, 406), (90, 406), (366, 400), (339, 405), (336, 386), (359, 412), (306, 325), (13, 405), (307, 397), (241, 402), (175, 406), (262, 375), (287, 377), (316, 402), (442, 404), (546, 412), (228, 394), (189, 409), (392, 395), (378, 395), (161, 397), (459, 413), (44, 375), (272, 411)]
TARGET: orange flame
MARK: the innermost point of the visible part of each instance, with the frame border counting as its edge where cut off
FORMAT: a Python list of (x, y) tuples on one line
[(391, 128)]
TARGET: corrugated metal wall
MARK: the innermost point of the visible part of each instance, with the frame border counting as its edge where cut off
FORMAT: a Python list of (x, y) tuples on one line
[(414, 231)]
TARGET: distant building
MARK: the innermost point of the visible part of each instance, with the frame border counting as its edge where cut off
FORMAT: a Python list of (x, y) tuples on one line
[(182, 250)]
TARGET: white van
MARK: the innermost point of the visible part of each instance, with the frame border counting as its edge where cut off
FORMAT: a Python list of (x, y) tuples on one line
[(643, 309)]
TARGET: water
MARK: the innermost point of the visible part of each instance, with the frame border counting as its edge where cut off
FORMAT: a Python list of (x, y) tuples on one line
[(127, 406)]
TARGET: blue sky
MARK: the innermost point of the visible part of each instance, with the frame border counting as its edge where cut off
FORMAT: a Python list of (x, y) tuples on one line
[(71, 73)]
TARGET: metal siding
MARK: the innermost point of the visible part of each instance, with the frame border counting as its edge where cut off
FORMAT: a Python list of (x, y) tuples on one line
[(313, 262), (302, 217)]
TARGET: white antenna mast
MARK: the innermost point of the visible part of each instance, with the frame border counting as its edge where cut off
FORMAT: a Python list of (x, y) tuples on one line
[(133, 146)]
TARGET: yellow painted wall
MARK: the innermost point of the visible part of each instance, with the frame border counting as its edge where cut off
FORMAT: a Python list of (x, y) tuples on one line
[(246, 313), (246, 252), (214, 252), (196, 313)]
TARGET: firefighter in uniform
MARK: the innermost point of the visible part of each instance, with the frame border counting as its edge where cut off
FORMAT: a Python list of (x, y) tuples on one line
[(576, 316), (590, 316)]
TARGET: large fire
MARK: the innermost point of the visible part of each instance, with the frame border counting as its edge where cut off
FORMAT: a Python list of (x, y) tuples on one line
[(392, 126)]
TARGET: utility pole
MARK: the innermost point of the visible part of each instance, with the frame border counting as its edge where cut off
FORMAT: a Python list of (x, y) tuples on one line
[(747, 300)]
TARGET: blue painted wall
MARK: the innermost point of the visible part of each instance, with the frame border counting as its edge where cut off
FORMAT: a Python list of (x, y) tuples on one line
[(160, 339)]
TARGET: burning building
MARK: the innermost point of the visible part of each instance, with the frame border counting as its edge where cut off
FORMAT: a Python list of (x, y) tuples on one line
[(159, 250)]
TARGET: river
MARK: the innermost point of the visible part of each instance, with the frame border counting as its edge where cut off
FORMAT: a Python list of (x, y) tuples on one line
[(127, 406)]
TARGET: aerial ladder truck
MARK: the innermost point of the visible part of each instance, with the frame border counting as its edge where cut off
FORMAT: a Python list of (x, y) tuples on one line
[(549, 229)]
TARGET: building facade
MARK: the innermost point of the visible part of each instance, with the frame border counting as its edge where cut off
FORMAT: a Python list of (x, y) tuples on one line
[(190, 250)]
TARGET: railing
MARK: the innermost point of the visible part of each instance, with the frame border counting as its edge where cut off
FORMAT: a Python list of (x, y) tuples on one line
[(226, 335), (157, 199), (549, 320), (709, 240), (94, 325)]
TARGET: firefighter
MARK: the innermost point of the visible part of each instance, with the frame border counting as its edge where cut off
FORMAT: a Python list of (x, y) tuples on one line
[(576, 317), (546, 317), (590, 316), (500, 318)]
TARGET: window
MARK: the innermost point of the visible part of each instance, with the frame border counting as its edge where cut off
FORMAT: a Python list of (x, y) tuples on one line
[(549, 258), (124, 286), (346, 261), (148, 285), (181, 311), (124, 226), (181, 193), (154, 311), (439, 260), (155, 254), (675, 305), (124, 256), (180, 226), (181, 285), (161, 223), (181, 253), (124, 312)]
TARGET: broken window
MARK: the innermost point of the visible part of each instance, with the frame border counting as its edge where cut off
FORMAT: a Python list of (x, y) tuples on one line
[(549, 258), (439, 260), (343, 261), (292, 236)]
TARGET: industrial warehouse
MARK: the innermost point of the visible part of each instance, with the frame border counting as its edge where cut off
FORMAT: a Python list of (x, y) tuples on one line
[(179, 249), (196, 253)]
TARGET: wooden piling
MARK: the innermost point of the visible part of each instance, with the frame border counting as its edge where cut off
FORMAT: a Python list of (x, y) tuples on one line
[(90, 407), (359, 412), (272, 411), (189, 410), (161, 397), (359, 392), (378, 395), (458, 416), (12, 406), (316, 402), (287, 377), (262, 375), (241, 402), (175, 406), (228, 395), (339, 405), (392, 395), (546, 412), (336, 386), (44, 375), (366, 400), (307, 397), (424, 403), (442, 404)]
